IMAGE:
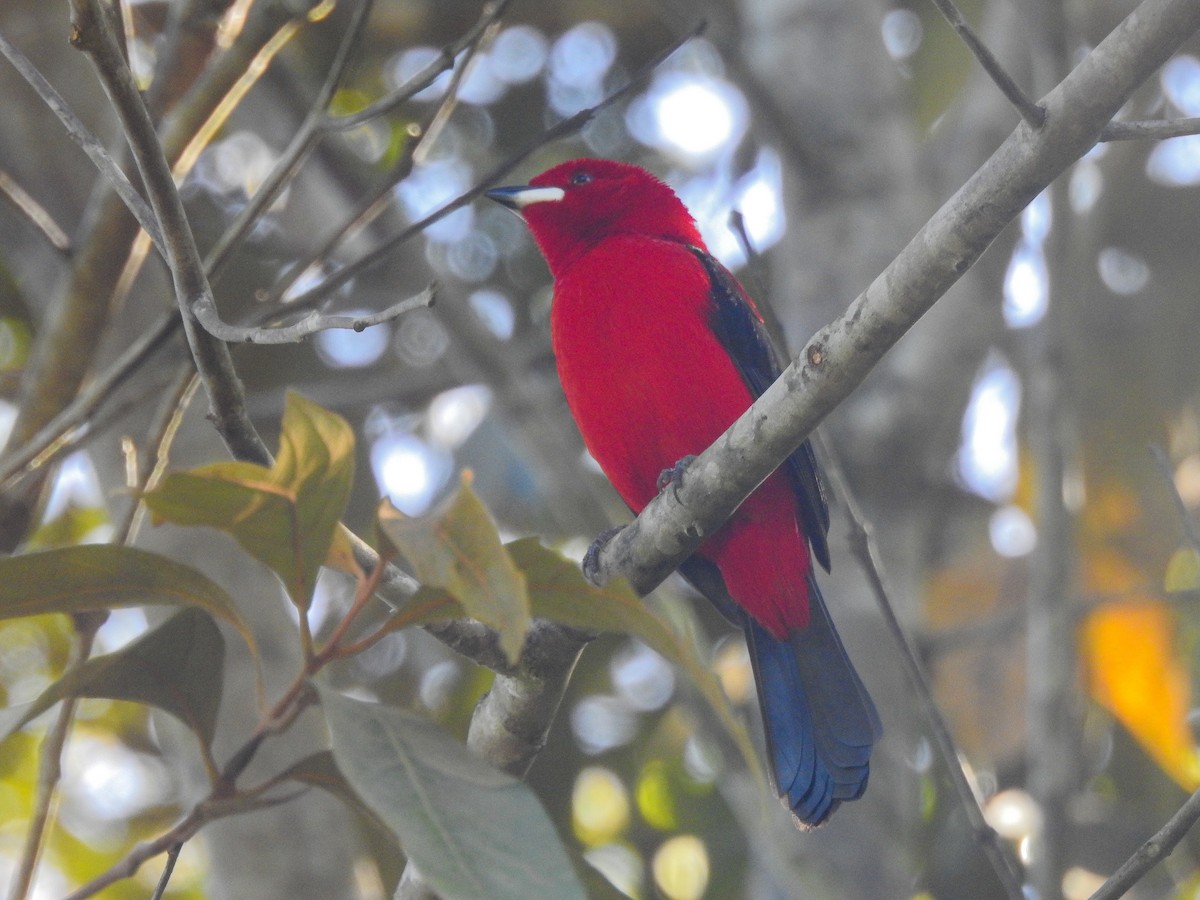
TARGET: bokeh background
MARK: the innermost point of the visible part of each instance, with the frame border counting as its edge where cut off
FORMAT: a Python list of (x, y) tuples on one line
[(1020, 456)]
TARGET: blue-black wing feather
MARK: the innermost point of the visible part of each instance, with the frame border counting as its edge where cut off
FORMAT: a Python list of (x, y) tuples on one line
[(739, 328)]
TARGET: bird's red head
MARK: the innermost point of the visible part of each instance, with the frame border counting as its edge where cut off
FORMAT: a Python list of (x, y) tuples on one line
[(578, 203)]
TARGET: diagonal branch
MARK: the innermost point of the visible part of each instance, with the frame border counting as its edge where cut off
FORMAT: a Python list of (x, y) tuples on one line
[(1150, 130)]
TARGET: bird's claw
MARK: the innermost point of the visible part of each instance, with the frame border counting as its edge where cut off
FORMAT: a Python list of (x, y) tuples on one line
[(673, 475), (591, 559)]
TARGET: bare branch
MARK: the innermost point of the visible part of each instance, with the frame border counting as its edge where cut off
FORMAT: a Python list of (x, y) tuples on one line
[(78, 132), (92, 34), (21, 200), (206, 314), (1150, 130), (1032, 113)]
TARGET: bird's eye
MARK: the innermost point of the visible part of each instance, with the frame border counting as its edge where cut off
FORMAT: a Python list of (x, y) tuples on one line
[(581, 178)]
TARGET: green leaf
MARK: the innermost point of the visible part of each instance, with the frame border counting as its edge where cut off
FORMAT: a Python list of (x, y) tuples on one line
[(177, 668), (458, 549), (558, 590), (286, 516), (105, 576), (470, 829)]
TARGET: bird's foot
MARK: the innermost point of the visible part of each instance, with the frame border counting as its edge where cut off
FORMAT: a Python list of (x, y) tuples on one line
[(591, 559), (673, 476)]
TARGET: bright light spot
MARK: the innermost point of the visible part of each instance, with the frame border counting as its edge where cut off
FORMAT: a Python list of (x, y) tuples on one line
[(731, 662), (518, 54), (409, 471), (431, 186), (1026, 286), (758, 197), (1079, 883), (695, 116), (409, 64), (8, 418), (1175, 162), (601, 723), (582, 56), (495, 311), (641, 677), (77, 485), (474, 257), (568, 99), (680, 868), (384, 657), (1012, 532), (620, 865), (1187, 480), (105, 780), (420, 338), (655, 796), (599, 805), (987, 459), (1086, 186), (122, 627), (344, 348), (1121, 271), (481, 86), (438, 683), (1013, 813), (238, 164), (456, 413), (902, 33), (701, 760), (921, 758), (1037, 218), (1180, 79)]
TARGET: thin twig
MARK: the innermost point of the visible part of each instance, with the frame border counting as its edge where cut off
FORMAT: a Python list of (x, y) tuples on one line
[(1007, 869), (1152, 852), (1031, 112), (561, 129), (79, 133), (50, 768), (1150, 130), (206, 315), (24, 203), (168, 869)]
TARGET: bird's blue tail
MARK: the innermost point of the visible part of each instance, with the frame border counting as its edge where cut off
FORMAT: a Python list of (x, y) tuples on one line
[(819, 720)]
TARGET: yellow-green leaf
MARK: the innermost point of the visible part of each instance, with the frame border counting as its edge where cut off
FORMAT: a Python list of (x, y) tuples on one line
[(458, 549), (286, 516), (105, 576), (177, 668), (1183, 570)]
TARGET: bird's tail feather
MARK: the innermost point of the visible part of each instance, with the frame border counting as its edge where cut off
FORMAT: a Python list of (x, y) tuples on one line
[(820, 722)]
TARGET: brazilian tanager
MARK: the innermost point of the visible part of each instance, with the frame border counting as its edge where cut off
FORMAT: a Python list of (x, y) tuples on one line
[(659, 350)]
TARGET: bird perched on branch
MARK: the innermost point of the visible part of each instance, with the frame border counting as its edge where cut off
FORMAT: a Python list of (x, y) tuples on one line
[(659, 350)]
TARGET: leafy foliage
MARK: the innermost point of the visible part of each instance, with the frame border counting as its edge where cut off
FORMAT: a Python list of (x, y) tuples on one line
[(470, 829), (286, 516)]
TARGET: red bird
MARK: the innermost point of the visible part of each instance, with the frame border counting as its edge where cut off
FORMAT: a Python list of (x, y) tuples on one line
[(659, 350)]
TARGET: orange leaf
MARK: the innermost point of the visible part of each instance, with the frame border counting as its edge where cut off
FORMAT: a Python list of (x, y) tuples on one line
[(1134, 672)]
